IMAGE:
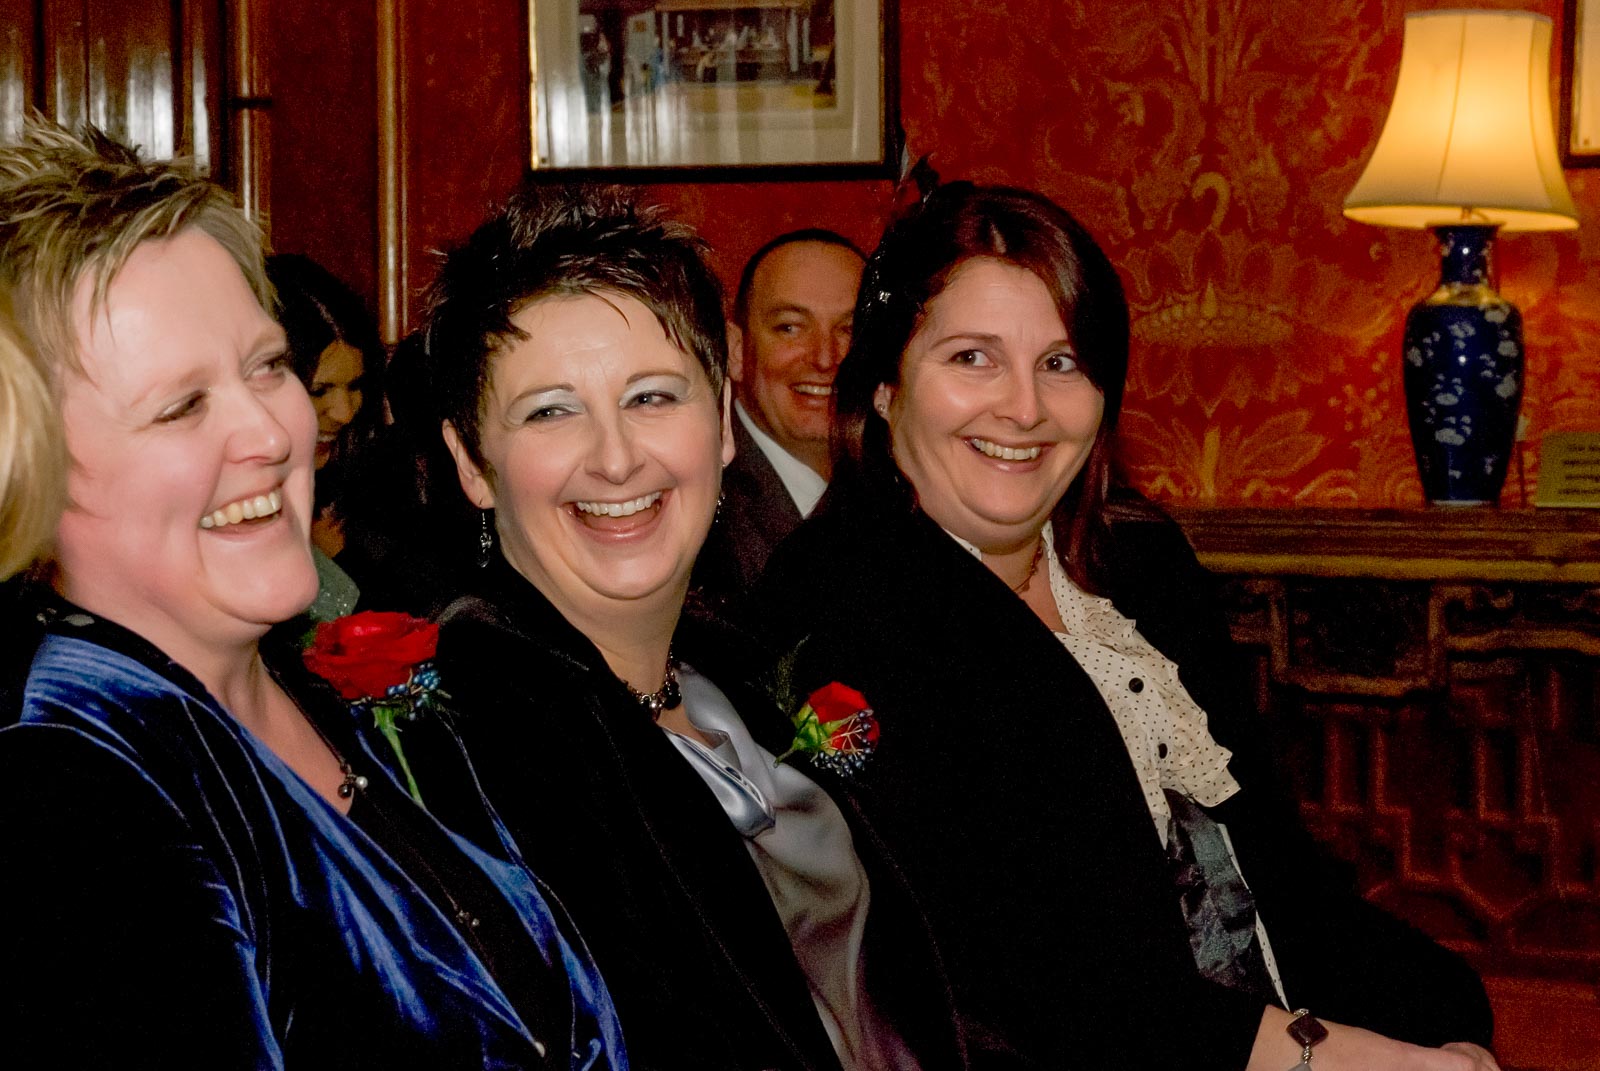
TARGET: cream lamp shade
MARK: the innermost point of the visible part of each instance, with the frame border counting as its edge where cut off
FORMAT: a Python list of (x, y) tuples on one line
[(1469, 137)]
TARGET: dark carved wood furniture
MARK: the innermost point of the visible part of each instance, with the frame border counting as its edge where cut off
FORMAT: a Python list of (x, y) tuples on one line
[(1433, 677)]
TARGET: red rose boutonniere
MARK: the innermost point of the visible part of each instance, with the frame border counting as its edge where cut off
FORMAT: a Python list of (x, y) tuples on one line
[(382, 663), (837, 728)]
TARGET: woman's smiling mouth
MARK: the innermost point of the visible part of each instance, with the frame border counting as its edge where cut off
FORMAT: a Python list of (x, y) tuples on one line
[(617, 519), (1005, 453), (249, 508), (619, 509)]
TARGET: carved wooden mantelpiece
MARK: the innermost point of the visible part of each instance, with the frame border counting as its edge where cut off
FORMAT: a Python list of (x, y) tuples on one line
[(1433, 678)]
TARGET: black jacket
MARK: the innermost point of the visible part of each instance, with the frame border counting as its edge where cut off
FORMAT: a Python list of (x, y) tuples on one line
[(1004, 789), (639, 851), (755, 515)]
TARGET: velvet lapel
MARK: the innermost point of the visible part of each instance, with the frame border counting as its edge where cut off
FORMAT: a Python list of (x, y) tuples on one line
[(1000, 780), (923, 604), (653, 787), (979, 706), (307, 855)]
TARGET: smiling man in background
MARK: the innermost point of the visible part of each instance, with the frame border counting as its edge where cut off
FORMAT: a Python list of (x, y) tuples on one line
[(790, 329)]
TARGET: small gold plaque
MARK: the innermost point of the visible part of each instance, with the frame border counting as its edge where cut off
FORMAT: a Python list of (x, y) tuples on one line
[(1569, 470)]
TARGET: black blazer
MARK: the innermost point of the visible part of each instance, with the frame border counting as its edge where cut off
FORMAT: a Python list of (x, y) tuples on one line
[(636, 847), (756, 514), (1005, 790)]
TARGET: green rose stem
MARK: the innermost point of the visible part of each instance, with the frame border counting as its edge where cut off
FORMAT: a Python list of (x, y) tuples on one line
[(810, 735), (383, 716)]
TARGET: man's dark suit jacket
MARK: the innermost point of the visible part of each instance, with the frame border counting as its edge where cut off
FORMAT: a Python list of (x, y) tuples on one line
[(1006, 793), (755, 516)]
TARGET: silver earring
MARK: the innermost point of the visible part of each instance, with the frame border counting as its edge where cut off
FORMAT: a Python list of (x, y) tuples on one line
[(485, 540)]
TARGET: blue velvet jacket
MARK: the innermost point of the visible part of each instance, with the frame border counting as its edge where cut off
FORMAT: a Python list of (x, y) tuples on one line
[(173, 895)]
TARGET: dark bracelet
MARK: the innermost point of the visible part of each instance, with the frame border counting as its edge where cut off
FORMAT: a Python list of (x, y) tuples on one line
[(1307, 1031)]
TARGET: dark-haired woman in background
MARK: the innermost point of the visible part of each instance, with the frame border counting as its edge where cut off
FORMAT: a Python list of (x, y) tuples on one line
[(1065, 770), (743, 916), (337, 355), (371, 522)]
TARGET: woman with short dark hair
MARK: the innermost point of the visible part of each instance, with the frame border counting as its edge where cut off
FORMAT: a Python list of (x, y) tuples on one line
[(334, 345), (1065, 769), (743, 915), (365, 521)]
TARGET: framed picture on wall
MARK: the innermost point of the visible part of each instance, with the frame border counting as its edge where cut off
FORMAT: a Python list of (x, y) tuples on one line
[(642, 89), (1580, 84)]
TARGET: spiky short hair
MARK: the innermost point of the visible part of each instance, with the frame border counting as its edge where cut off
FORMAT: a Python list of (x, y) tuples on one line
[(75, 207), (554, 242), (33, 462)]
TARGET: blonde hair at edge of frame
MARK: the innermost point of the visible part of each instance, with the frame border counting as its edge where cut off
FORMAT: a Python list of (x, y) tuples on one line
[(77, 206), (33, 456)]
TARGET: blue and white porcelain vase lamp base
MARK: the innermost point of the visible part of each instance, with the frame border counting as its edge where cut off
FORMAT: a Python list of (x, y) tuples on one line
[(1463, 374)]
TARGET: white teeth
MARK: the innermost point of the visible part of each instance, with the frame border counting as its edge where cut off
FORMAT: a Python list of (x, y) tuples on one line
[(813, 389), (246, 509), (619, 509), (1006, 453)]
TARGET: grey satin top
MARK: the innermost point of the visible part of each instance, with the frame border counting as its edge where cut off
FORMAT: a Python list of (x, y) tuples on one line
[(802, 846)]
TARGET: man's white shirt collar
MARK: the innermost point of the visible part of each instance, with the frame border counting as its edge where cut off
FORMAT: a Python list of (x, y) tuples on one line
[(802, 482)]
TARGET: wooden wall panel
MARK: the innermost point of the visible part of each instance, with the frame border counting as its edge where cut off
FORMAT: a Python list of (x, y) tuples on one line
[(200, 73), (464, 91), (65, 56), (19, 63), (129, 73), (147, 72), (392, 156), (324, 136)]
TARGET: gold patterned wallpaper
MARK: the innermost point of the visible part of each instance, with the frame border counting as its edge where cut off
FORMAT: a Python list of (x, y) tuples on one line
[(1209, 145)]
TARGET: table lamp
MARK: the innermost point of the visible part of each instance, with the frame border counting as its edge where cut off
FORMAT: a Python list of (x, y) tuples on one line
[(1468, 149)]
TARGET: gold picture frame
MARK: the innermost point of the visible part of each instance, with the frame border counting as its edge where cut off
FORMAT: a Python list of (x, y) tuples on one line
[(1580, 84), (644, 89)]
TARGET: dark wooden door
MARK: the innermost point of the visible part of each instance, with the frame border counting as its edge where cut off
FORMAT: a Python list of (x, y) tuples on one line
[(148, 72)]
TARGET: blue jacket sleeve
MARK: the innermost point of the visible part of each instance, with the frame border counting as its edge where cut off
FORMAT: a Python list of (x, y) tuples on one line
[(121, 943)]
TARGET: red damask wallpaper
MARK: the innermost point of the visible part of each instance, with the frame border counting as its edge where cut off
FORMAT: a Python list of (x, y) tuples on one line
[(1209, 145)]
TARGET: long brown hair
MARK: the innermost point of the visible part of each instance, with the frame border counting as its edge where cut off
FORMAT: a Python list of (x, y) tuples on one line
[(912, 265)]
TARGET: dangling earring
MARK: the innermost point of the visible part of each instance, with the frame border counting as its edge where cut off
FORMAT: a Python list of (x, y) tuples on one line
[(485, 540), (722, 496)]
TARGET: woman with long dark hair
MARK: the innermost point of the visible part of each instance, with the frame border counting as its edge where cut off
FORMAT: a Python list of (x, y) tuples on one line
[(1065, 769)]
